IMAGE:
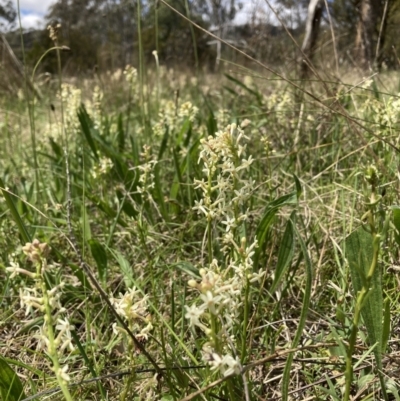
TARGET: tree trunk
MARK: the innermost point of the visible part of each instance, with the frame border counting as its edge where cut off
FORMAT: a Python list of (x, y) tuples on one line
[(369, 13), (315, 8)]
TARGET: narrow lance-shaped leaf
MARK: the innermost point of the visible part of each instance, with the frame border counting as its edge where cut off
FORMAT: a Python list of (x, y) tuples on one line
[(86, 125), (11, 388), (100, 256), (266, 220), (396, 222), (359, 254), (10, 203), (286, 252)]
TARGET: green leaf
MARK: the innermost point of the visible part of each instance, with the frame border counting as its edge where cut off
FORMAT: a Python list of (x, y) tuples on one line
[(159, 195), (120, 134), (178, 179), (299, 189), (86, 125), (286, 252), (359, 254), (126, 207), (266, 220), (100, 256), (11, 388), (88, 363), (375, 89), (188, 268), (57, 149), (396, 222), (211, 122), (80, 275), (231, 91), (164, 143), (17, 218), (396, 217), (106, 208), (257, 95), (386, 325), (86, 230), (303, 315), (391, 386), (125, 268), (183, 132)]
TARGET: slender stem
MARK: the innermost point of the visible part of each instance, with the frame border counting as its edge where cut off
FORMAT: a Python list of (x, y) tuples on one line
[(42, 57), (156, 5), (141, 61), (362, 295), (196, 57), (209, 222), (30, 104), (245, 322)]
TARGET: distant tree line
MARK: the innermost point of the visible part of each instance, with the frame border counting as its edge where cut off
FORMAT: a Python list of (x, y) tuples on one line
[(368, 30), (104, 34)]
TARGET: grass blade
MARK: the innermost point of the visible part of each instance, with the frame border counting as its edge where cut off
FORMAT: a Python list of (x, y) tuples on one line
[(303, 315), (120, 134), (257, 95), (89, 364), (386, 325), (10, 203)]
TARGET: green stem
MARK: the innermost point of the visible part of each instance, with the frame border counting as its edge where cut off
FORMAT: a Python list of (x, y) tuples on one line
[(31, 111), (41, 58), (196, 57), (209, 223), (245, 322), (141, 62)]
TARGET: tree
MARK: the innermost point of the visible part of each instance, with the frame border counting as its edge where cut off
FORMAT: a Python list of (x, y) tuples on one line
[(7, 14), (104, 33), (313, 23), (98, 32), (369, 14)]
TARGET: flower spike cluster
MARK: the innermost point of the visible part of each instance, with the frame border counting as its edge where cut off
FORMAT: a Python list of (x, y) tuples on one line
[(218, 308), (54, 336)]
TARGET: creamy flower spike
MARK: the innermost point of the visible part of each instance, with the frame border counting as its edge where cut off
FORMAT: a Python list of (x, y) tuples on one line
[(54, 334), (132, 306), (225, 193)]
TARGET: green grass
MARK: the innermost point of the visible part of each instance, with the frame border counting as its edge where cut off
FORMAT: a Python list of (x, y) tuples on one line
[(196, 259)]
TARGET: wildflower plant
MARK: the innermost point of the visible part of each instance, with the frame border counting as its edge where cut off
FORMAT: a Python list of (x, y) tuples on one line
[(174, 117), (97, 106), (71, 98), (54, 336), (132, 307), (223, 293), (131, 78)]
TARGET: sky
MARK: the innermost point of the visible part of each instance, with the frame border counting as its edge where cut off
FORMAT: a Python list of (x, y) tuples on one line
[(33, 11)]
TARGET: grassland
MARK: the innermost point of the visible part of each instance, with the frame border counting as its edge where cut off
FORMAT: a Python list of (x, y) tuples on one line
[(225, 237)]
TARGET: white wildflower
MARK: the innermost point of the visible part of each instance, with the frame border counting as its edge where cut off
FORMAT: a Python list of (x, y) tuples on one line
[(62, 372)]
